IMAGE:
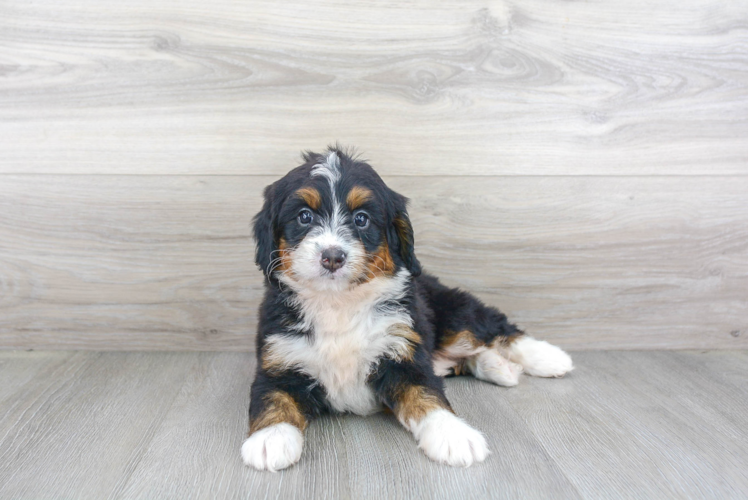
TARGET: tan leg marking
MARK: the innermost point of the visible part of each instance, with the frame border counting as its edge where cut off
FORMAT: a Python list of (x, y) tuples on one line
[(453, 349), (280, 407), (414, 402)]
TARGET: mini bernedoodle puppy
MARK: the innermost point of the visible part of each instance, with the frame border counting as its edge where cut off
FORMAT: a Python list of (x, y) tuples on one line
[(350, 323)]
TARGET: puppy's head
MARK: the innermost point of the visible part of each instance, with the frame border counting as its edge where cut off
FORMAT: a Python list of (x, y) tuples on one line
[(332, 223)]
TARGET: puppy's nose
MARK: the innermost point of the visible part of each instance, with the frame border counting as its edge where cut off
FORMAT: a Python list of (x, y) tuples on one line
[(333, 258)]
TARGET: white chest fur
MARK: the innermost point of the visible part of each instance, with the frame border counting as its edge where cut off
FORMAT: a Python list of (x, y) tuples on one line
[(349, 333)]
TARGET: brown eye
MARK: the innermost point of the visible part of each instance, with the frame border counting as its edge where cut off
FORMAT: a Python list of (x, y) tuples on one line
[(361, 220), (305, 217)]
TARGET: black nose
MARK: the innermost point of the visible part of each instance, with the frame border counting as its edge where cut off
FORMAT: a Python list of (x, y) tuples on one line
[(333, 258)]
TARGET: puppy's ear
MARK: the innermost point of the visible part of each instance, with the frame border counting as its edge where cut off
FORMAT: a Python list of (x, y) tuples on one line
[(264, 229), (400, 234)]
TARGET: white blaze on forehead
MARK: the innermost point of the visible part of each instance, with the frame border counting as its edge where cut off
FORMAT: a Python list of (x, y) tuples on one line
[(329, 168)]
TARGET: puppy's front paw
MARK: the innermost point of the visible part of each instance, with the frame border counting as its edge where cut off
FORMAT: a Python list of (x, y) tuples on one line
[(447, 439), (273, 448)]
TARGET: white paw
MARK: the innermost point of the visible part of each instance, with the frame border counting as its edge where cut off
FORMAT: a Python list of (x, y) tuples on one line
[(539, 358), (273, 448), (492, 367), (447, 439)]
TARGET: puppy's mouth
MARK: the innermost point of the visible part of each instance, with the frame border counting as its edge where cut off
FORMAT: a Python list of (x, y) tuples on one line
[(320, 270), (338, 275)]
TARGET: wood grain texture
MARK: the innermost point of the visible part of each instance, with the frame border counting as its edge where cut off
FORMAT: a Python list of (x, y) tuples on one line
[(212, 405), (580, 164), (666, 434), (22, 368), (134, 262), (170, 425), (524, 87), (515, 451), (84, 422), (166, 262)]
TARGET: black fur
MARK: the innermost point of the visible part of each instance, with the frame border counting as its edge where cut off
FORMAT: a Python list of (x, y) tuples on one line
[(436, 310)]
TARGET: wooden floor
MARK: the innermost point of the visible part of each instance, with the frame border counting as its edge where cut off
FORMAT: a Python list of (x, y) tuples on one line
[(169, 425)]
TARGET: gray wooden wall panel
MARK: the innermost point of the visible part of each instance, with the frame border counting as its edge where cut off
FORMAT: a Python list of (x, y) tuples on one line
[(581, 164), (462, 87), (160, 262)]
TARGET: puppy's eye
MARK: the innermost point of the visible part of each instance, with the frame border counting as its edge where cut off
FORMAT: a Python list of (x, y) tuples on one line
[(361, 220), (305, 217)]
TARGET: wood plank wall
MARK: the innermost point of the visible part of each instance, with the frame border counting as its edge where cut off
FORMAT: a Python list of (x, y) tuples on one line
[(583, 165)]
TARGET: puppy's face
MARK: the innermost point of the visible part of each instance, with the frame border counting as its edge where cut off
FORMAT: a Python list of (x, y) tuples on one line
[(331, 224)]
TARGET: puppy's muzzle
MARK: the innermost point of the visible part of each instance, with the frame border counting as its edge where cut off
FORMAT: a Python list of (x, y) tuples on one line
[(333, 258)]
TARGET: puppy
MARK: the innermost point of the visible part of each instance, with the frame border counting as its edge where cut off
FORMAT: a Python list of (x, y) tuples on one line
[(350, 323)]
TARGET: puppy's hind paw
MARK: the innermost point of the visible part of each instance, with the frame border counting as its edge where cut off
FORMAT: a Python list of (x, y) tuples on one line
[(539, 358), (273, 448), (492, 367)]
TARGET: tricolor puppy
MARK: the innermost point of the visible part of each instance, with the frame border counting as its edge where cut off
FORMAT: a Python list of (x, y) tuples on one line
[(350, 323)]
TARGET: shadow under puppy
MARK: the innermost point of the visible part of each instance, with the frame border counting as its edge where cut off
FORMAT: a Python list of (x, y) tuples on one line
[(350, 323)]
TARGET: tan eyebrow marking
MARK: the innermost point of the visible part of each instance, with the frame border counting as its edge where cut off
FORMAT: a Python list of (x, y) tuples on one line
[(310, 196), (357, 197)]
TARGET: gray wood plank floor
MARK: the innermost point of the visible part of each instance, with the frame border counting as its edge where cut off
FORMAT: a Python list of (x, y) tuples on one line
[(169, 425)]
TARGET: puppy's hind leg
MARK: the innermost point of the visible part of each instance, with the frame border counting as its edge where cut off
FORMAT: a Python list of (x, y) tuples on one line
[(539, 358), (480, 338)]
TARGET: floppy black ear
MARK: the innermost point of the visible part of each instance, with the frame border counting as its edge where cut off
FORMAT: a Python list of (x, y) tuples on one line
[(400, 234), (264, 229)]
